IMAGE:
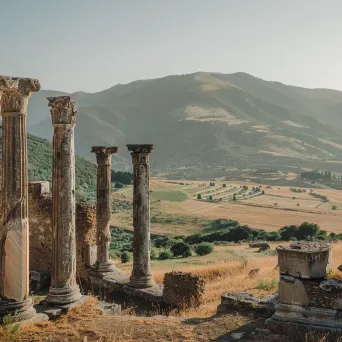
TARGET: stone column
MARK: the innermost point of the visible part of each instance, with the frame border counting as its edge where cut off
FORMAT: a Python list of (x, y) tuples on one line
[(142, 274), (103, 207), (14, 243), (64, 289)]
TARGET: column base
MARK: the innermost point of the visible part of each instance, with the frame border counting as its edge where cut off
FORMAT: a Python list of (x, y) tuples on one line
[(106, 267), (63, 296), (20, 311), (141, 282)]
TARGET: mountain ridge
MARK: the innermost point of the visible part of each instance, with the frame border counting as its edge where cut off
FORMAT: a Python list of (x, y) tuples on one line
[(206, 120)]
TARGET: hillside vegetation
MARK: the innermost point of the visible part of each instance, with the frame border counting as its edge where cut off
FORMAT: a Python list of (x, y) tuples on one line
[(206, 120), (40, 167)]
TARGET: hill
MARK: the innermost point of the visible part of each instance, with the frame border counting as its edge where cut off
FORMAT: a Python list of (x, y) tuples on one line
[(207, 121), (40, 167)]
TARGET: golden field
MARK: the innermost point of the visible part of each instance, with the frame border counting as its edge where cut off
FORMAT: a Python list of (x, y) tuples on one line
[(277, 208)]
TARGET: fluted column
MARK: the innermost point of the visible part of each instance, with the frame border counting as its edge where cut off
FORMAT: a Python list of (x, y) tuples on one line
[(64, 289), (14, 243), (103, 207), (142, 274)]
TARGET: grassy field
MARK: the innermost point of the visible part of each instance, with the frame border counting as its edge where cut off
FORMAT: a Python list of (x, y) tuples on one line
[(178, 212)]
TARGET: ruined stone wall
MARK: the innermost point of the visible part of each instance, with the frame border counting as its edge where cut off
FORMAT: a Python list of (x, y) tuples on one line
[(183, 289), (40, 227)]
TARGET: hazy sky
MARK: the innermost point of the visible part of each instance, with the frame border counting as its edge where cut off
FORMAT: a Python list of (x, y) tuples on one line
[(91, 45)]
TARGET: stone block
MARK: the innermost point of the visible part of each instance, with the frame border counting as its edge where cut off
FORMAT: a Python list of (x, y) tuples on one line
[(39, 280), (38, 188), (183, 289), (246, 302), (309, 317), (292, 291), (90, 255), (304, 260)]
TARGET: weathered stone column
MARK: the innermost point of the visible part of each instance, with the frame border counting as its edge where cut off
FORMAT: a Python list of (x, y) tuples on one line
[(64, 289), (103, 207), (14, 243), (141, 275)]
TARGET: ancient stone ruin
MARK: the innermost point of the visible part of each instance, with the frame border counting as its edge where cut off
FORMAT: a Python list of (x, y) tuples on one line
[(306, 297), (69, 242), (183, 290), (103, 207), (14, 244)]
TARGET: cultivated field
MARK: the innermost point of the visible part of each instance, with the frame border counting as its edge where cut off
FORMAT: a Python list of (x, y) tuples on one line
[(177, 211)]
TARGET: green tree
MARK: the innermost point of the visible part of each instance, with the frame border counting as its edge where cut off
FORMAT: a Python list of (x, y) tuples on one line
[(181, 249), (204, 248), (234, 197), (199, 196), (165, 255), (125, 257)]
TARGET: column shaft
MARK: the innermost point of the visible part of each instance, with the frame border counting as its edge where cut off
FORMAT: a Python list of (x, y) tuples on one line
[(103, 210), (64, 289), (103, 207), (141, 273), (14, 243)]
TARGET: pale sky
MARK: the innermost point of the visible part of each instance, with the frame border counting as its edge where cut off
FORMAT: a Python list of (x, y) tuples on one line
[(91, 45)]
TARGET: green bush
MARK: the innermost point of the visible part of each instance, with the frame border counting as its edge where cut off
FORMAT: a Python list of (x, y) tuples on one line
[(199, 196), (267, 284), (204, 248), (334, 207), (181, 249), (154, 253), (165, 255), (125, 257), (114, 253)]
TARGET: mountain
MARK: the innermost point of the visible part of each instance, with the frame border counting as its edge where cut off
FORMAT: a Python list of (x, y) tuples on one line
[(206, 120)]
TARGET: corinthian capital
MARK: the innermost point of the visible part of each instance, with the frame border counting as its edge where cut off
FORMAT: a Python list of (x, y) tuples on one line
[(63, 111), (15, 92), (140, 153), (104, 153)]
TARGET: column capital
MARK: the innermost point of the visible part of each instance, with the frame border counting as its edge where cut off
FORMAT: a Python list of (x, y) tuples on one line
[(63, 111), (140, 153), (140, 148), (15, 92), (104, 153)]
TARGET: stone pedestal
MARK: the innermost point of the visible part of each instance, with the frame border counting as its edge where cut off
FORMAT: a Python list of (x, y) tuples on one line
[(64, 289), (103, 207), (141, 275), (14, 243), (306, 298)]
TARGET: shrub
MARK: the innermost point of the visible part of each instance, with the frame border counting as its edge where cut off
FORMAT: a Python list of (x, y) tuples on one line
[(298, 204), (181, 249), (165, 255), (275, 204), (210, 198), (125, 257), (267, 284), (293, 197), (334, 207), (204, 248), (114, 253), (234, 197), (118, 185), (224, 185), (199, 196), (154, 253)]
